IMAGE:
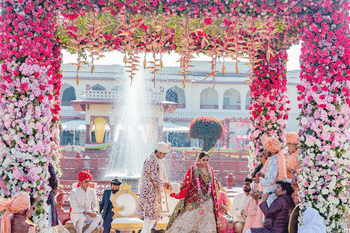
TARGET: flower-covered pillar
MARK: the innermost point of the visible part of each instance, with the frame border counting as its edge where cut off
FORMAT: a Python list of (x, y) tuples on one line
[(269, 101), (324, 118), (29, 103)]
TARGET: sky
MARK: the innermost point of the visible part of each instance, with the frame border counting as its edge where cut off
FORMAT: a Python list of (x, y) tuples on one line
[(171, 59)]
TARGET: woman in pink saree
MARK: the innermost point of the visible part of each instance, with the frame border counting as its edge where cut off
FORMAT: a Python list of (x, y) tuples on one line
[(252, 210), (223, 207)]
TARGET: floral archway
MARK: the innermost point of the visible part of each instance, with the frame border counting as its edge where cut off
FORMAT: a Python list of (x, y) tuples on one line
[(33, 32)]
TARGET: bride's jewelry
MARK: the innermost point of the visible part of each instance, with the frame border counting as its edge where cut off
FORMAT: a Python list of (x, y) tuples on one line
[(200, 191)]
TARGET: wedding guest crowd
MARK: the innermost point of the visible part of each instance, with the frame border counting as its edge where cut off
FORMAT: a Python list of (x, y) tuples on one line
[(264, 206)]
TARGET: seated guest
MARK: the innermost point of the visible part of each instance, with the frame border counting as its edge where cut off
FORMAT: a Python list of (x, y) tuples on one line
[(18, 209), (223, 207), (277, 215), (240, 202), (106, 205), (312, 222), (83, 201)]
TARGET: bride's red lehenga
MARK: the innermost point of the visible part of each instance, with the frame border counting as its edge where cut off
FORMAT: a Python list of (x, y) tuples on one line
[(191, 214)]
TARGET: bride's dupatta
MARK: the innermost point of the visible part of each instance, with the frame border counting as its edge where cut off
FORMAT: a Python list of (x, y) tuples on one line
[(189, 190)]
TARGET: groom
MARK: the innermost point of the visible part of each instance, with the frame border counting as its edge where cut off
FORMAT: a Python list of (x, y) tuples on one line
[(152, 185)]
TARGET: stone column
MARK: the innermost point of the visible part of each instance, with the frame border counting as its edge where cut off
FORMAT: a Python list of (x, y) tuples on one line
[(87, 138)]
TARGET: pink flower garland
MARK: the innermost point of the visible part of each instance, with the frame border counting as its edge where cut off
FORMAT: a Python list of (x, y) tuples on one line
[(200, 191)]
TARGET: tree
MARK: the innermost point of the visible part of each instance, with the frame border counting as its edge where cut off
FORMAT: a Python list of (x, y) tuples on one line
[(208, 129)]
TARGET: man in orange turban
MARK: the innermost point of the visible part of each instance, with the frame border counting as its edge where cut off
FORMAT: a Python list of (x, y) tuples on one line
[(275, 170), (83, 201), (292, 163)]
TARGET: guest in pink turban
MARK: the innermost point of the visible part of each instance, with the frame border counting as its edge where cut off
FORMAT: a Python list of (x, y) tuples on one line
[(17, 210), (275, 169)]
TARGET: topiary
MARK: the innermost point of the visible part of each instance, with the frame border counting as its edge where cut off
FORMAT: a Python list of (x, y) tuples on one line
[(208, 129)]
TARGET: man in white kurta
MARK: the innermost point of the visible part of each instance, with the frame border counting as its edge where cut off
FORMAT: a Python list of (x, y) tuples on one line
[(240, 202), (83, 201)]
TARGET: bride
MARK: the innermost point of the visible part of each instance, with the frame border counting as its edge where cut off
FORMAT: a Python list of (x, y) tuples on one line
[(197, 209)]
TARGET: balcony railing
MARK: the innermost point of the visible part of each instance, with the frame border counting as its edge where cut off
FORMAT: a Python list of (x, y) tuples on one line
[(69, 111), (180, 114), (232, 107), (153, 97), (207, 106)]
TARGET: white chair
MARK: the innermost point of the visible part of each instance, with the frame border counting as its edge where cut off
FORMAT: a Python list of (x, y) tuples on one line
[(124, 207)]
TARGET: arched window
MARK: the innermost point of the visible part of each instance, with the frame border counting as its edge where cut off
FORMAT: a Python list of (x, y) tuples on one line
[(98, 87), (247, 103), (232, 100), (177, 95), (68, 94), (209, 99)]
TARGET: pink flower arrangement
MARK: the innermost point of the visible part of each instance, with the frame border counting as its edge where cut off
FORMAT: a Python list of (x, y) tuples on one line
[(30, 77), (269, 102)]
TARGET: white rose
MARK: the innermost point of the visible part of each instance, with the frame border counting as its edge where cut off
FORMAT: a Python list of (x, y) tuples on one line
[(44, 119), (309, 143), (326, 128), (31, 143), (28, 117), (304, 121), (6, 137), (325, 191)]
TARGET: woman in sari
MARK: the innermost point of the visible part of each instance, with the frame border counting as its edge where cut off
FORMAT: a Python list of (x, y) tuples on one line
[(252, 208), (197, 210), (223, 207)]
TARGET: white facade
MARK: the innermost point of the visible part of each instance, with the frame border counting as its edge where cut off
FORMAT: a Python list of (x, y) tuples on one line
[(228, 98)]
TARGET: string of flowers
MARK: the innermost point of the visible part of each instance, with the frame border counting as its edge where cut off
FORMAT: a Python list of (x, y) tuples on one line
[(203, 196), (324, 118), (29, 100), (269, 102)]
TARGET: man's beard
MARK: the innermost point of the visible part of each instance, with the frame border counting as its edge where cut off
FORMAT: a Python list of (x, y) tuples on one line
[(247, 190), (114, 191)]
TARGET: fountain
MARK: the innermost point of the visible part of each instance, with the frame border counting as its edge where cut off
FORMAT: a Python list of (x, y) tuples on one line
[(135, 133)]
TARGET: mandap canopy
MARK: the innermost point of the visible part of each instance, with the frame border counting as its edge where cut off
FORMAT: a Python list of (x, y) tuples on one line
[(33, 33)]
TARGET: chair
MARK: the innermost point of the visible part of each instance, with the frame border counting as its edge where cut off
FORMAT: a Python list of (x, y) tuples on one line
[(69, 225), (124, 207), (293, 220)]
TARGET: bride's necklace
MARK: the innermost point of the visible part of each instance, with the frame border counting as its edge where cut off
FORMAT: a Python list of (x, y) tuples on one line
[(200, 191)]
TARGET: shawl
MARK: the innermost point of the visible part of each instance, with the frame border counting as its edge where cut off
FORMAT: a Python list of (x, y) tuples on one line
[(312, 222)]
